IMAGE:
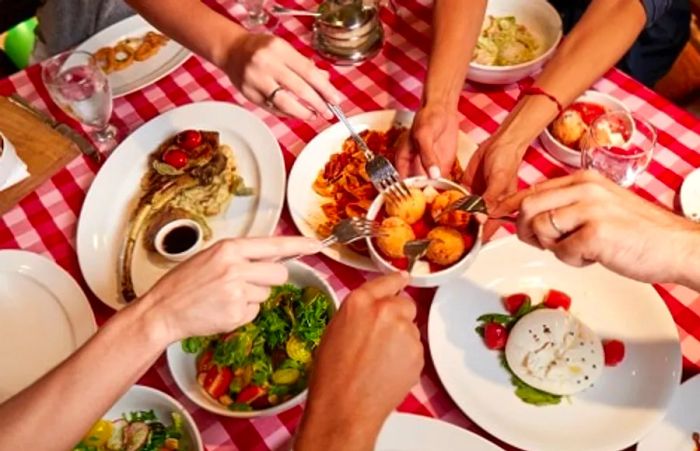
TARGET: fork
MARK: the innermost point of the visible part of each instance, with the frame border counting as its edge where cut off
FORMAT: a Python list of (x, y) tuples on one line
[(415, 249), (473, 203), (382, 173), (346, 231)]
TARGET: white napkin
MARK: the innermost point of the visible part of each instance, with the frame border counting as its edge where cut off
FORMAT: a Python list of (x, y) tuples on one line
[(18, 174)]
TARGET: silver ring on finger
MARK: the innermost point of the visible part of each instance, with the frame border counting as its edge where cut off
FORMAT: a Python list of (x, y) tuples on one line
[(270, 99), (553, 221)]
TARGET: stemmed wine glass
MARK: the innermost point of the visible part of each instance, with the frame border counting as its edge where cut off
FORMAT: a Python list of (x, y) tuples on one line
[(257, 16), (619, 145), (78, 85)]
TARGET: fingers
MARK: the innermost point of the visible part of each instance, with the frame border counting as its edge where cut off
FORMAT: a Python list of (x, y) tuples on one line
[(315, 77), (250, 313), (404, 307), (576, 249), (255, 294), (271, 247), (404, 156), (424, 138), (288, 103), (265, 274), (384, 286)]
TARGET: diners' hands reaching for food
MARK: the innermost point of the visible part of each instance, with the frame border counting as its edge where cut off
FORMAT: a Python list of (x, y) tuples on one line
[(585, 218), (214, 292), (370, 357), (266, 69), (493, 171)]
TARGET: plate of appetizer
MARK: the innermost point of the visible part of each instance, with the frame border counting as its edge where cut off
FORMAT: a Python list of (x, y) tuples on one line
[(566, 135), (547, 356), (454, 238), (194, 175), (143, 419), (328, 183), (407, 432), (44, 317), (261, 368), (680, 430), (134, 54)]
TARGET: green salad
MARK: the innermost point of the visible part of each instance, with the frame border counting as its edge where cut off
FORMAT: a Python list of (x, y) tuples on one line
[(135, 431), (266, 362), (505, 42)]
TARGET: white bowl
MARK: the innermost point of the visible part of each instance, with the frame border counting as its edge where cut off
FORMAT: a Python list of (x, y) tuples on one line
[(9, 160), (541, 19), (140, 397), (439, 277), (183, 366), (159, 241), (566, 154)]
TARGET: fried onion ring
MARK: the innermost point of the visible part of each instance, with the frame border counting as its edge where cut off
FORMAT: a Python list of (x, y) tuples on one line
[(145, 51), (105, 59), (123, 56)]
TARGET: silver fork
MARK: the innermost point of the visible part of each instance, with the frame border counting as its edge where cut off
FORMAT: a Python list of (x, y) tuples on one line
[(345, 232), (382, 173), (414, 250), (473, 203)]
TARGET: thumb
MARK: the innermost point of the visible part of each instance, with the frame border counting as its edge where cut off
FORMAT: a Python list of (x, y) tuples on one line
[(499, 186)]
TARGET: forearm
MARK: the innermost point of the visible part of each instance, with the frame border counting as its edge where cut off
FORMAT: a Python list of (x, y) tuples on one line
[(81, 389), (456, 26), (594, 45), (194, 25), (687, 258)]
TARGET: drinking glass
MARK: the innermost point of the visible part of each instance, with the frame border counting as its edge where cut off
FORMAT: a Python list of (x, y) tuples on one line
[(619, 145), (77, 85), (257, 16)]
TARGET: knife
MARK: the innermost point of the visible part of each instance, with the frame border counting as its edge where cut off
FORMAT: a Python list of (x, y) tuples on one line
[(64, 129)]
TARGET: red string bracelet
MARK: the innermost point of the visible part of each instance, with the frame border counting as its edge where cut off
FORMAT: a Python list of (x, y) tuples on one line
[(537, 91)]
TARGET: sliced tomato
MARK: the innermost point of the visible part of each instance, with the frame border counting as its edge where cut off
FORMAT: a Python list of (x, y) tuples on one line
[(513, 302), (495, 336), (217, 381), (204, 361), (614, 351), (556, 299), (250, 394), (421, 229)]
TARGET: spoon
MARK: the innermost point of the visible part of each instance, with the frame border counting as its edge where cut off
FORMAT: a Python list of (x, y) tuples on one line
[(414, 250)]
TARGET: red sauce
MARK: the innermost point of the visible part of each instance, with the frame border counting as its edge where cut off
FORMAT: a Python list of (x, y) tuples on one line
[(589, 111)]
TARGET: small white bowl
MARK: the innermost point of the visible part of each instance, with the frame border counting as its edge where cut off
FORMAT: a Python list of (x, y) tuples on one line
[(140, 397), (439, 277), (183, 366), (9, 160), (169, 227), (566, 154), (541, 19)]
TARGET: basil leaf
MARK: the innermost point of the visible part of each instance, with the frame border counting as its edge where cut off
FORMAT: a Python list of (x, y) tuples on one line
[(499, 318)]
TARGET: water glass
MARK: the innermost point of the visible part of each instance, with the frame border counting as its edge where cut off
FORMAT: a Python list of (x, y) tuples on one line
[(257, 16), (78, 85), (619, 145)]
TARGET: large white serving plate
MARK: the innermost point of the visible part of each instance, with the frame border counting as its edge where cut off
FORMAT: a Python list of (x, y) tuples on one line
[(44, 317), (623, 405), (140, 73), (674, 433), (305, 204), (406, 432), (116, 189)]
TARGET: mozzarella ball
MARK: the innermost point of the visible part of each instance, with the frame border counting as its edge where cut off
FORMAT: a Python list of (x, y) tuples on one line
[(394, 233), (446, 247), (569, 128)]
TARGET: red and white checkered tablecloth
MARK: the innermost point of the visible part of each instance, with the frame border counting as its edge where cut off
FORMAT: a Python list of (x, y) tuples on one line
[(45, 221)]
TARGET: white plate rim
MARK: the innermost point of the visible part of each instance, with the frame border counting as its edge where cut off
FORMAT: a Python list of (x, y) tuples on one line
[(273, 189), (123, 27), (497, 431)]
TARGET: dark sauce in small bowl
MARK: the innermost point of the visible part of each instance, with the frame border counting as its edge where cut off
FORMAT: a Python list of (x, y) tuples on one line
[(180, 239)]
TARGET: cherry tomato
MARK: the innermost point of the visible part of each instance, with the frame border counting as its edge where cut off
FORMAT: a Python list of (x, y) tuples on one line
[(250, 394), (217, 381), (175, 157), (189, 139), (400, 263), (204, 361), (614, 352), (514, 302), (588, 111), (495, 336), (556, 299), (420, 228)]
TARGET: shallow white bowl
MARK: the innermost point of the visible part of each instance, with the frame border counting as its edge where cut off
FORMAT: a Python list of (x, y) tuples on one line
[(436, 278), (541, 19), (182, 365), (566, 154), (140, 397), (9, 160)]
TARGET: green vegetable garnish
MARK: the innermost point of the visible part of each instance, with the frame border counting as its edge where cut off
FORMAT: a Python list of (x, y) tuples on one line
[(141, 415), (195, 345), (527, 393)]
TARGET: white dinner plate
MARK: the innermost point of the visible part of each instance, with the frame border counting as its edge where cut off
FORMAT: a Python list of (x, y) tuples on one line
[(305, 204), (683, 418), (624, 404), (140, 397), (44, 317), (116, 189), (406, 432), (140, 73)]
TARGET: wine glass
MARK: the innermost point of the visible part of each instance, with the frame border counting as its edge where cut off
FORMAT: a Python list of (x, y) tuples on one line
[(257, 16), (619, 145), (78, 85)]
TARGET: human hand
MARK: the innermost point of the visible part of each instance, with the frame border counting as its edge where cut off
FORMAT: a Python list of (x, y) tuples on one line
[(599, 221), (221, 287), (259, 64), (369, 358), (432, 146)]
